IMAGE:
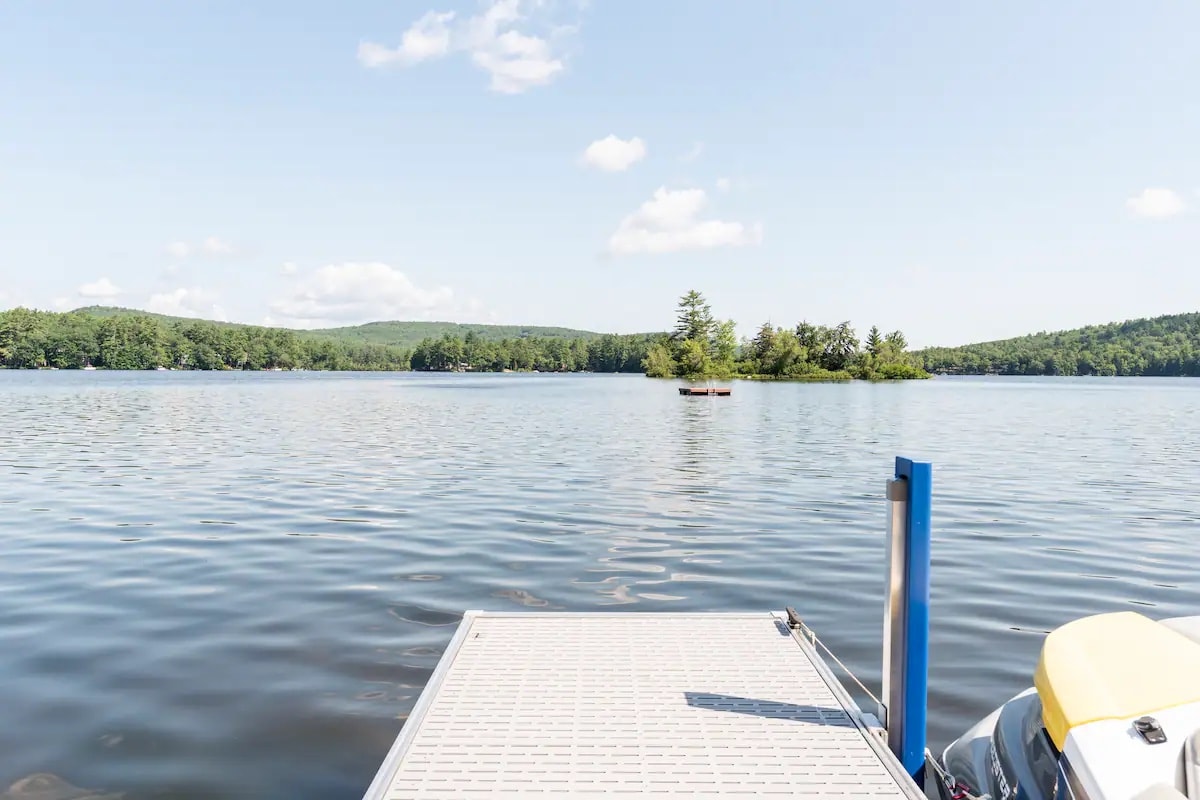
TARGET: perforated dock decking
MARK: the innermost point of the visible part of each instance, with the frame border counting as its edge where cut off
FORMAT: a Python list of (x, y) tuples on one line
[(546, 705)]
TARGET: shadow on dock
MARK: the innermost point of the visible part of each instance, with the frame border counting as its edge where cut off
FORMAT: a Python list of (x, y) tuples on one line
[(771, 709)]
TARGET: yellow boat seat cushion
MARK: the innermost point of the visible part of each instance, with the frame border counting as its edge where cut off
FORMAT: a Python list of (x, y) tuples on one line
[(1113, 666)]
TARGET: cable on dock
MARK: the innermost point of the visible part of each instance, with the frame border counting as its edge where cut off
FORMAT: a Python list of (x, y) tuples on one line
[(797, 624)]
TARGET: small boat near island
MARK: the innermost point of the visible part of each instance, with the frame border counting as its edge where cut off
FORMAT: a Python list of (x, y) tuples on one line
[(705, 391)]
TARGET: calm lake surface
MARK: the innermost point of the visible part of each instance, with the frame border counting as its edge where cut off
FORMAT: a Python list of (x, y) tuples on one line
[(236, 585)]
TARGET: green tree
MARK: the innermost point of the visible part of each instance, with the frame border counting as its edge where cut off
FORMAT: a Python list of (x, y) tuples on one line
[(786, 357), (470, 348), (840, 347), (763, 340), (694, 321), (693, 360), (812, 337), (658, 362), (22, 338), (28, 352), (724, 348), (874, 340)]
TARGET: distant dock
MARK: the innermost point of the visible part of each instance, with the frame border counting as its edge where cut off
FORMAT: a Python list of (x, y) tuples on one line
[(704, 391)]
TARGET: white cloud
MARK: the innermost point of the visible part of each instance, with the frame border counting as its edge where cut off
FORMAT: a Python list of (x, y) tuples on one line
[(102, 289), (288, 268), (428, 37), (1155, 202), (186, 303), (612, 154), (59, 303), (724, 184), (215, 247), (211, 246), (669, 222), (355, 292), (516, 60), (693, 152)]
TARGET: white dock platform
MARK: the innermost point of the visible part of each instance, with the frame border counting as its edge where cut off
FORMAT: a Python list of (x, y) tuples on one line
[(549, 705)]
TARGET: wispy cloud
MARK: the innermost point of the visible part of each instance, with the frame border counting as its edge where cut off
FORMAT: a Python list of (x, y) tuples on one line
[(613, 154), (670, 222), (498, 40), (1156, 202), (103, 289), (187, 302), (724, 184), (215, 247), (694, 152), (355, 292), (428, 37)]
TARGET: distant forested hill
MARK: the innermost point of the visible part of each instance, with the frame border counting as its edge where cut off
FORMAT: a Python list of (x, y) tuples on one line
[(1168, 345), (394, 334), (408, 334), (116, 338)]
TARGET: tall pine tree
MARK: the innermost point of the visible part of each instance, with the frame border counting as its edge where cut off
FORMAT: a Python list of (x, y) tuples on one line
[(694, 321)]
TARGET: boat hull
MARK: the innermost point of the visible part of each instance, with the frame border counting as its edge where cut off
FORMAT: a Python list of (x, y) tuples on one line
[(1007, 754)]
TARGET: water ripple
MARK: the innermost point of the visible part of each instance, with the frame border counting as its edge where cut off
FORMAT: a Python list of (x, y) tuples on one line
[(236, 585)]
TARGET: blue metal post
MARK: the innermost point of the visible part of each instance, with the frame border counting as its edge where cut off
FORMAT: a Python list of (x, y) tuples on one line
[(914, 610)]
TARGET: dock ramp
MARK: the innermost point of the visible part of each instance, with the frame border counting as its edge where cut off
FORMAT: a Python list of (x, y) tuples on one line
[(598, 705)]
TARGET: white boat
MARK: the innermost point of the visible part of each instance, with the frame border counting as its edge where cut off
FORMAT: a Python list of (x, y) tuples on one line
[(1114, 715)]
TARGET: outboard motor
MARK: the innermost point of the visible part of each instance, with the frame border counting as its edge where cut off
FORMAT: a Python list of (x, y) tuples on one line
[(1115, 716)]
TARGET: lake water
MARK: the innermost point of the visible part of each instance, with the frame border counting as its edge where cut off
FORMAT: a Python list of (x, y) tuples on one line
[(236, 585)]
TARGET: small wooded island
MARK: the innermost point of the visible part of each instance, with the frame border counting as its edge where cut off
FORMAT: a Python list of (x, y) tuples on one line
[(701, 347)]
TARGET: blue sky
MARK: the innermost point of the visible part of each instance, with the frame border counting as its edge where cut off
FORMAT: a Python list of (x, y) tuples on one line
[(959, 171)]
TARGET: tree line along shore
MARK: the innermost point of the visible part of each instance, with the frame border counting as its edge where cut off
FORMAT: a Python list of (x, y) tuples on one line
[(698, 347), (1165, 346), (131, 341)]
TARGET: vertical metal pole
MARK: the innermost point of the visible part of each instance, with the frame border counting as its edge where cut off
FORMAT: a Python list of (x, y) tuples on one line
[(891, 713), (906, 614)]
